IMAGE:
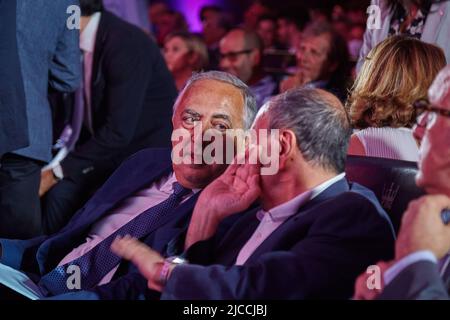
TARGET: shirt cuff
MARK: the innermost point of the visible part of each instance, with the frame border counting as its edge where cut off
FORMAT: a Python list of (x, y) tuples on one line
[(58, 172), (405, 262)]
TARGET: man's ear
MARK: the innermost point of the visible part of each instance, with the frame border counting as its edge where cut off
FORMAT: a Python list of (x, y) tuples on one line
[(288, 143)]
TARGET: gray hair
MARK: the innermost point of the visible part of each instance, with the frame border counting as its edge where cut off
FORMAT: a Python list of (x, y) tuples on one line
[(250, 108), (320, 123)]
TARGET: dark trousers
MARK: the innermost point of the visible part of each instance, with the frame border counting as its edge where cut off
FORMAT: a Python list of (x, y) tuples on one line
[(20, 211), (64, 199)]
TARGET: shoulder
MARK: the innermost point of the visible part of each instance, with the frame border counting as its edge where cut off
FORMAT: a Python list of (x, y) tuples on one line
[(123, 34), (356, 209)]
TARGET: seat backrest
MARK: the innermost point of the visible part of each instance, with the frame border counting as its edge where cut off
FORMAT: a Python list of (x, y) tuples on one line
[(392, 181)]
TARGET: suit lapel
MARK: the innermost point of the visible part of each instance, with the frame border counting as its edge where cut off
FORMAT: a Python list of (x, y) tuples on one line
[(230, 245), (126, 186), (98, 50), (122, 184)]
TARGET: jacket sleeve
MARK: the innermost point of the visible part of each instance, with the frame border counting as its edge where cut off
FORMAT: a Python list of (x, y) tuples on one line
[(131, 286), (127, 76), (419, 281), (325, 264), (14, 251), (65, 67)]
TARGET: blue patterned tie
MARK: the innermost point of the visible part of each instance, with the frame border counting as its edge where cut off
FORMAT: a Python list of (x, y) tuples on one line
[(99, 261)]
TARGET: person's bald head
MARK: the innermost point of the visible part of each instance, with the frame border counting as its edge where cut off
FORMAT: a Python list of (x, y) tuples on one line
[(240, 52)]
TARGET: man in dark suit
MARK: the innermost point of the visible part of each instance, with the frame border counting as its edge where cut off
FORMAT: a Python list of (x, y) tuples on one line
[(421, 269), (312, 234), (128, 98), (35, 53), (130, 200)]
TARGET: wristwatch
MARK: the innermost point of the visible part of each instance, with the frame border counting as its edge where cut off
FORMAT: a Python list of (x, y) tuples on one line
[(168, 262)]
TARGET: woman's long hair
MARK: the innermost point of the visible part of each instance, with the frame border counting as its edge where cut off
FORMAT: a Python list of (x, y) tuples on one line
[(397, 72)]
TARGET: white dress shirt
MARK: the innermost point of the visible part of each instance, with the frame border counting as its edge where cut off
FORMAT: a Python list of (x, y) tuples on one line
[(275, 217)]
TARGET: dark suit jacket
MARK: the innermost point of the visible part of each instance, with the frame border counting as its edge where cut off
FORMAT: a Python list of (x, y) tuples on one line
[(132, 93), (13, 121), (419, 281), (315, 254), (40, 255), (37, 49)]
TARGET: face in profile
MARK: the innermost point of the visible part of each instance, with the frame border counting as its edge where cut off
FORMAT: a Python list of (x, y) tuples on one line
[(433, 130), (176, 54), (212, 105)]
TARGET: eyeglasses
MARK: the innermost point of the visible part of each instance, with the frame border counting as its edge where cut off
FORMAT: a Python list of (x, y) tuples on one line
[(427, 113), (233, 55)]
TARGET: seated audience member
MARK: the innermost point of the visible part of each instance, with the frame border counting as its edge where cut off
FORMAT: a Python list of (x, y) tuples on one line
[(291, 22), (311, 235), (128, 94), (156, 11), (142, 198), (169, 22), (267, 31), (256, 9), (185, 54), (215, 25), (321, 10), (397, 72), (421, 268), (427, 20), (322, 61), (241, 55), (355, 41)]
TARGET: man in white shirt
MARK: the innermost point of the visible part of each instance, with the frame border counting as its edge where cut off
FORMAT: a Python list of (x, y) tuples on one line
[(421, 267)]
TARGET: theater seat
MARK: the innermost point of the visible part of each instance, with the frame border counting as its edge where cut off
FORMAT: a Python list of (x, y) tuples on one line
[(392, 181)]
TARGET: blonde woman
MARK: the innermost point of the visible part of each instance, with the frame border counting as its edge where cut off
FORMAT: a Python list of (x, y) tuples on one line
[(184, 53), (396, 73)]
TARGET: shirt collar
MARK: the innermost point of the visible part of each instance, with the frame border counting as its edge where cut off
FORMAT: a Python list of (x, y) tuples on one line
[(89, 34), (287, 209), (168, 185)]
